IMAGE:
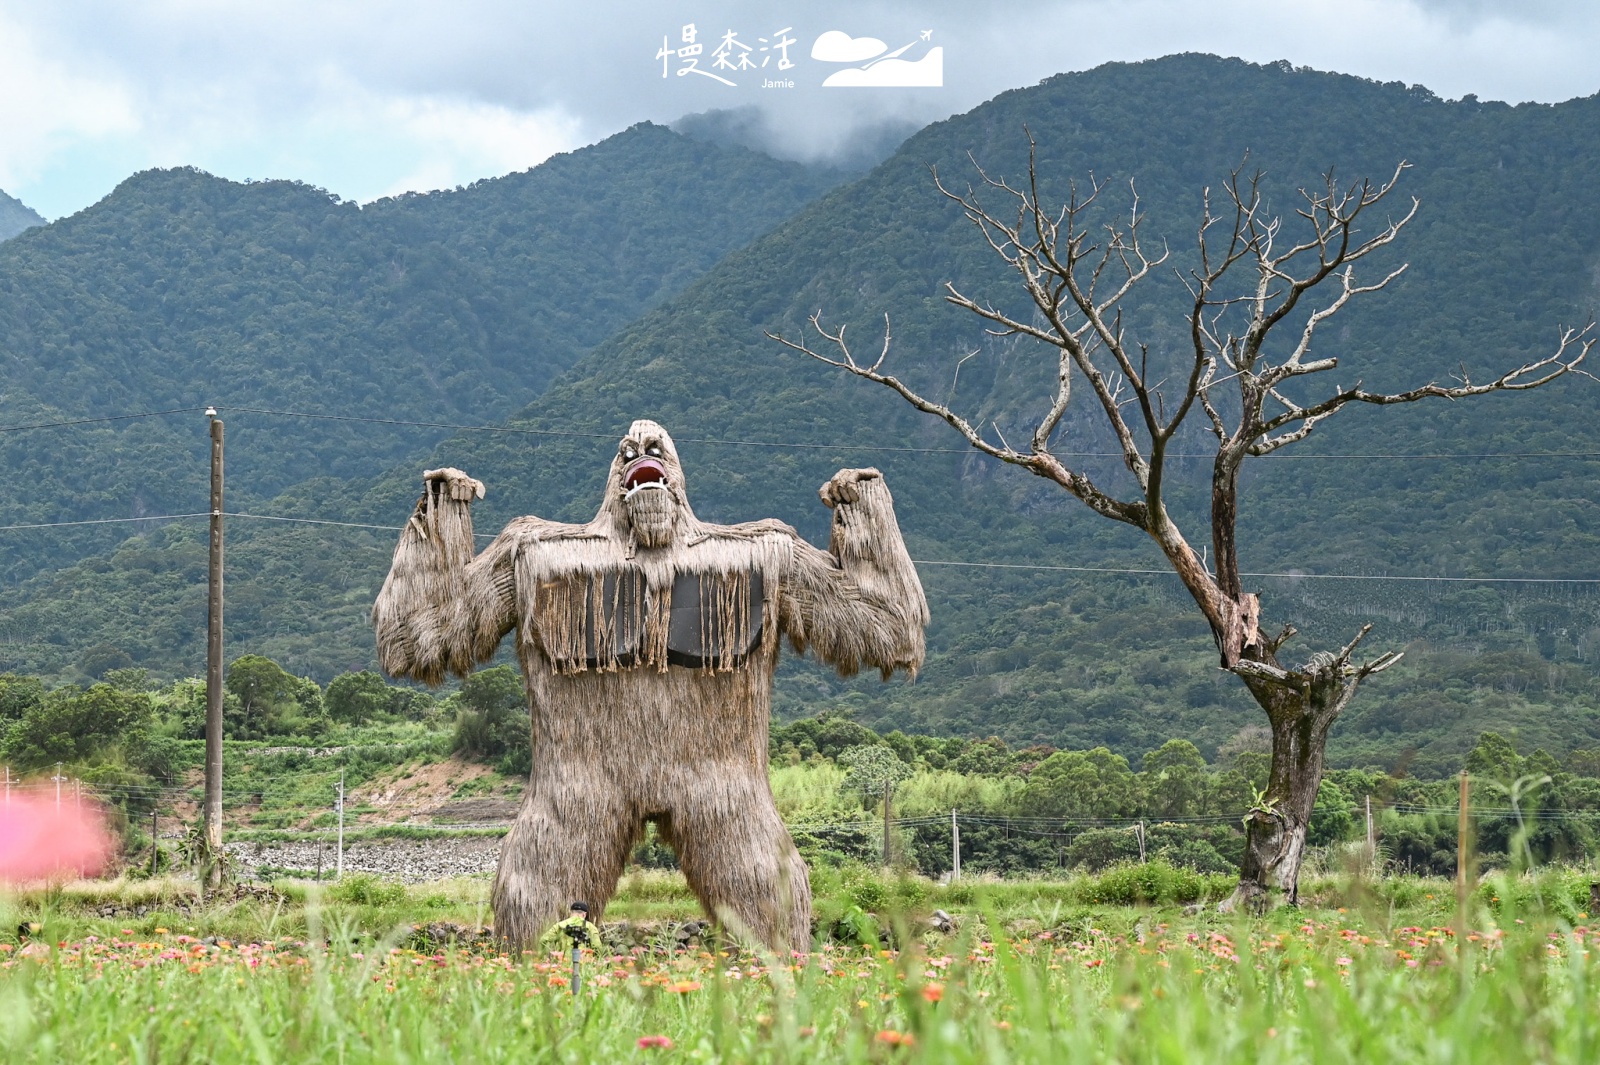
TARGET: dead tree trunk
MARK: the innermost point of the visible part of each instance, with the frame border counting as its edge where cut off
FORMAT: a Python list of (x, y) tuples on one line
[(1301, 706)]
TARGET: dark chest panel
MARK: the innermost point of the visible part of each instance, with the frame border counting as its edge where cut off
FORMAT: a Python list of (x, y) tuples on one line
[(614, 620)]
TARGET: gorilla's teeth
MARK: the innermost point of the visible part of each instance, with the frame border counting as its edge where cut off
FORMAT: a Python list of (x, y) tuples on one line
[(641, 486)]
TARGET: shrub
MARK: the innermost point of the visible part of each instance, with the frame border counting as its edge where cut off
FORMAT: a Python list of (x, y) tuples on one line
[(364, 889), (1145, 883)]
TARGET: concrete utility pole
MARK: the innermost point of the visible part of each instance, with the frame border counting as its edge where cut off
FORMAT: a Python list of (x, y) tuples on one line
[(887, 784), (58, 778), (955, 846), (213, 807), (1372, 841), (8, 787), (1462, 884), (338, 862)]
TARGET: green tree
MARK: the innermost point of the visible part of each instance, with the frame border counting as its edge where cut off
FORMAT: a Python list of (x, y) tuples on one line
[(358, 697), (868, 768), (1495, 758), (72, 724), (1084, 784), (1175, 779), (17, 695), (269, 700), (492, 723)]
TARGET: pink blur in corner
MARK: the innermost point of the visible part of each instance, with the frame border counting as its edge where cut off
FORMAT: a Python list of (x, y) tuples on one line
[(38, 841)]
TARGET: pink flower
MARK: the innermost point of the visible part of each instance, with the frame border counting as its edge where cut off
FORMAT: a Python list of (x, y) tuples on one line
[(658, 1041)]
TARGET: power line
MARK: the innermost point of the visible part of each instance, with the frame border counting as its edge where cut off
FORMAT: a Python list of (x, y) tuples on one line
[(105, 521), (1033, 566), (89, 421), (1369, 456)]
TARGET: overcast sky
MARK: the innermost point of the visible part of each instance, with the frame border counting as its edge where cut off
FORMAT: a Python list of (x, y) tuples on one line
[(368, 98)]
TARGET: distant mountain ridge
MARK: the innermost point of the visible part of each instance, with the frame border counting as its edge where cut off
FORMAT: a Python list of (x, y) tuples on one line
[(1505, 249), (16, 216), (181, 289)]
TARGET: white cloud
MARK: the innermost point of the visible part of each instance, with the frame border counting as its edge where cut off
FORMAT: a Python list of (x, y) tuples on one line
[(44, 105), (372, 96)]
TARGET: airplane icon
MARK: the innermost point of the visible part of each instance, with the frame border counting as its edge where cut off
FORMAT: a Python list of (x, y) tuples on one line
[(927, 35)]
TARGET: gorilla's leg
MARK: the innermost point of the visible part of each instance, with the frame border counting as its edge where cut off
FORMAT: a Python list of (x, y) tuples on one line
[(741, 863), (568, 844)]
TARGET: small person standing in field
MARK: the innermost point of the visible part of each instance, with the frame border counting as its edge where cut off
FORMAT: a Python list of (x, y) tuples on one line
[(578, 928)]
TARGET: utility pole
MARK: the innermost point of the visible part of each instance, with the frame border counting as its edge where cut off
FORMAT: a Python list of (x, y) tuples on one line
[(955, 846), (213, 808), (338, 862), (8, 787), (155, 847), (1140, 830), (1461, 863), (887, 784), (1372, 842), (58, 778)]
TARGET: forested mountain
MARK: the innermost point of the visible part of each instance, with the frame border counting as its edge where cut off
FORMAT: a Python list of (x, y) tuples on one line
[(16, 216), (1505, 249), (181, 289)]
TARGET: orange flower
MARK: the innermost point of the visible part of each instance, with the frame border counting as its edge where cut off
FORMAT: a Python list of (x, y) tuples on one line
[(933, 992), (683, 987), (896, 1039)]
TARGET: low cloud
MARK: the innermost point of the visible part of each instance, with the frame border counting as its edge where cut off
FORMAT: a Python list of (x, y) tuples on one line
[(370, 97)]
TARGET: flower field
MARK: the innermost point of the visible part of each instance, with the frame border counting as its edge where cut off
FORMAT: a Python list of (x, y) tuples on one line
[(1121, 984)]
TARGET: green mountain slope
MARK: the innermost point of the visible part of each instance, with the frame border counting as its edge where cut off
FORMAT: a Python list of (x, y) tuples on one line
[(181, 289), (1505, 248), (16, 216)]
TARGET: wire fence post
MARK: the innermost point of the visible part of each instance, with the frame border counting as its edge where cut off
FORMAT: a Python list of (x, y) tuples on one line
[(338, 861), (58, 778), (955, 846), (155, 847), (8, 787)]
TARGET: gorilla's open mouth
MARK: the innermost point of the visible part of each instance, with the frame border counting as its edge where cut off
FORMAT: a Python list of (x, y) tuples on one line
[(643, 473)]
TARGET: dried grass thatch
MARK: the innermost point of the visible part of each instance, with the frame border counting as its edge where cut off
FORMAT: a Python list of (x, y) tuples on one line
[(623, 732)]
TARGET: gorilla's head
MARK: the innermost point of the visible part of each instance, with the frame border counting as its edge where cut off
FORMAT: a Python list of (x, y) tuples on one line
[(646, 485)]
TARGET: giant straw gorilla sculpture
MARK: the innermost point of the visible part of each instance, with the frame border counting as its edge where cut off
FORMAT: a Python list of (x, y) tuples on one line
[(648, 640)]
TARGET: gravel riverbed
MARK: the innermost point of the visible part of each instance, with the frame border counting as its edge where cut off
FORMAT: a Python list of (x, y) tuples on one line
[(413, 861)]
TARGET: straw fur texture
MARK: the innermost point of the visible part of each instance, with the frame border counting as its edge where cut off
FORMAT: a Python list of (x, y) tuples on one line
[(623, 733)]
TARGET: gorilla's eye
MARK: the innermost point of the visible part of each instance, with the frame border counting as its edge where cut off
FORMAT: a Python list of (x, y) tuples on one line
[(628, 454), (656, 451)]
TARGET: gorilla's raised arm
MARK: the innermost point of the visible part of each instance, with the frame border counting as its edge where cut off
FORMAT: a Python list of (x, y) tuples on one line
[(441, 609), (859, 603)]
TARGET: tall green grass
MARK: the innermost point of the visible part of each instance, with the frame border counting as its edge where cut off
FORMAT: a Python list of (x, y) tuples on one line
[(1035, 972)]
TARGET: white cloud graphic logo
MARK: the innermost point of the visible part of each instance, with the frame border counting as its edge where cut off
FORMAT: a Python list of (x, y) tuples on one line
[(892, 73), (836, 46)]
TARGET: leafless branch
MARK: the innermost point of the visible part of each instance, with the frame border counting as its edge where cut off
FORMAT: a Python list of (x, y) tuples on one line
[(1039, 461)]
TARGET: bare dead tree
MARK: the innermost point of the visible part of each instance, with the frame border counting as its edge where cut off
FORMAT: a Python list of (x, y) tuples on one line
[(1248, 279)]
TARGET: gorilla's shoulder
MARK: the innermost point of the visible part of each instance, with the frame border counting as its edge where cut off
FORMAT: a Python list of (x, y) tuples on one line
[(746, 530)]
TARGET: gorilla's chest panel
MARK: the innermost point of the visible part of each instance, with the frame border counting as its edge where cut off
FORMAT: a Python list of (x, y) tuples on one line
[(617, 619)]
